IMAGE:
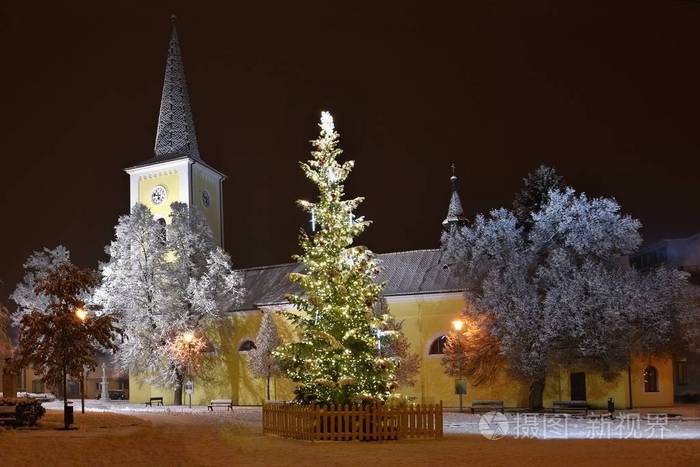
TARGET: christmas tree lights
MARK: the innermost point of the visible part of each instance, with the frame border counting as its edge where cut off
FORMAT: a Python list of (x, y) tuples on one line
[(336, 359)]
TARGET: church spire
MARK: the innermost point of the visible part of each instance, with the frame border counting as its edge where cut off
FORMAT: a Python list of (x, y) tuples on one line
[(175, 135), (455, 213)]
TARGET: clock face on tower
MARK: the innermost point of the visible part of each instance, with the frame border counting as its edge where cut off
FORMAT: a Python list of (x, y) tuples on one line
[(158, 194)]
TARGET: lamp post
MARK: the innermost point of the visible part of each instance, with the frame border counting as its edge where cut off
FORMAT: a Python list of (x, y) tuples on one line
[(460, 384), (82, 315), (188, 337)]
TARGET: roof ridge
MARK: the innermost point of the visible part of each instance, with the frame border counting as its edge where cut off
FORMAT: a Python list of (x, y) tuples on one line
[(280, 265)]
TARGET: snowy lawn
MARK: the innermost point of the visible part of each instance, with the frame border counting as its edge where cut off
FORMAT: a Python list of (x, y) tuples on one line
[(135, 435)]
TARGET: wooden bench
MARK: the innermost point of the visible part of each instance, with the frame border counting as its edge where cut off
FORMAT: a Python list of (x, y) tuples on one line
[(157, 400), (570, 407), (487, 406), (8, 413), (221, 403)]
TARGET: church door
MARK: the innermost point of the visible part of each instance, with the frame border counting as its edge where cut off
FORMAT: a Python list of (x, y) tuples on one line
[(578, 386)]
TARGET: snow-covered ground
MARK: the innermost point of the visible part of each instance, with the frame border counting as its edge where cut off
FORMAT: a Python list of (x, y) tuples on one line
[(682, 422), (670, 423)]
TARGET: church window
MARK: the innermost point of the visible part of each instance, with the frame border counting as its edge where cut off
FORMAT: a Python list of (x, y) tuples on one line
[(438, 346), (651, 379), (246, 346)]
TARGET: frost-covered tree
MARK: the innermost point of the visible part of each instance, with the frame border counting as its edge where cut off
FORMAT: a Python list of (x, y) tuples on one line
[(394, 345), (164, 287), (335, 361), (36, 268), (262, 362), (560, 291)]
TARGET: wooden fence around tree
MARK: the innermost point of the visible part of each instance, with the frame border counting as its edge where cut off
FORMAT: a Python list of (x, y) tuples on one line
[(352, 423)]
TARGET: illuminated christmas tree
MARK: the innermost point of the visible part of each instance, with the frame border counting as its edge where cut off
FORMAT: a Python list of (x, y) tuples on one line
[(336, 360)]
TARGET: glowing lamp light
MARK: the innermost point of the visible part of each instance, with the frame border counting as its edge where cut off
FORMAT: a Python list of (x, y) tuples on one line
[(188, 337), (457, 325), (81, 314)]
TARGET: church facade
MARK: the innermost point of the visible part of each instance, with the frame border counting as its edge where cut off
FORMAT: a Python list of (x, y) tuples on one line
[(420, 292)]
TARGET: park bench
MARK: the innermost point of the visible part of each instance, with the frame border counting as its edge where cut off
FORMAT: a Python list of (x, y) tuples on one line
[(157, 400), (487, 406), (570, 407), (8, 413), (221, 403)]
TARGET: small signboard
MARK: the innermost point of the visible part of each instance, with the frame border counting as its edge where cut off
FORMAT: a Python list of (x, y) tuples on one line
[(189, 387), (460, 386)]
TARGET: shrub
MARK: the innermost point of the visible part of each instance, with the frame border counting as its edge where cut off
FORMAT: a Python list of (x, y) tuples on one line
[(29, 411)]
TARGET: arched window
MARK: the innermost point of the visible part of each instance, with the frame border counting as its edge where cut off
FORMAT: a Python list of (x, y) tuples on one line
[(438, 346), (651, 379), (246, 346)]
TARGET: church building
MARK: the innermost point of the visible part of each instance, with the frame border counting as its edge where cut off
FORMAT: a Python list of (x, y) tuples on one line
[(420, 291)]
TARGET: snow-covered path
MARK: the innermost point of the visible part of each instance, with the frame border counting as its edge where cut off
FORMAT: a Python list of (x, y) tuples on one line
[(668, 423)]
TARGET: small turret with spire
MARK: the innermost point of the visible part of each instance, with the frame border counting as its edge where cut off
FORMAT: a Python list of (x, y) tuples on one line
[(175, 135), (455, 213)]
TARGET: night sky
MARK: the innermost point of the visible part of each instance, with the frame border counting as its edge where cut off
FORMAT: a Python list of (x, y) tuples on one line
[(608, 95)]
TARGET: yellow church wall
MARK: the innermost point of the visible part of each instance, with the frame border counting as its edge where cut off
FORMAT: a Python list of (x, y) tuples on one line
[(558, 387), (664, 368), (201, 182), (171, 182), (425, 318)]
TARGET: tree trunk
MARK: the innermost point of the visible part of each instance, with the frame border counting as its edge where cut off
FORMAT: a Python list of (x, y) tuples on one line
[(268, 387), (177, 400), (536, 394)]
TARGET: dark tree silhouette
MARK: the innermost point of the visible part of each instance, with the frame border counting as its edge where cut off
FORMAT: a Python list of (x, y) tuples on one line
[(535, 193), (62, 340)]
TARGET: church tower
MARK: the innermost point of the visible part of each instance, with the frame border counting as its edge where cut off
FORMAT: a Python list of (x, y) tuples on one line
[(455, 214), (177, 172)]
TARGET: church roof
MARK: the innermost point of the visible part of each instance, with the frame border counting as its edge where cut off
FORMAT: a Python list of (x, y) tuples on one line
[(404, 272), (175, 135)]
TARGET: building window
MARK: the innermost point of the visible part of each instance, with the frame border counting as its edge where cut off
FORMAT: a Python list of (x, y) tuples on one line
[(438, 346), (682, 372), (246, 346), (651, 379)]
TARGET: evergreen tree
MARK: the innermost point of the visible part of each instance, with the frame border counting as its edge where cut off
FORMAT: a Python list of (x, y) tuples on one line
[(535, 193), (336, 360), (262, 362)]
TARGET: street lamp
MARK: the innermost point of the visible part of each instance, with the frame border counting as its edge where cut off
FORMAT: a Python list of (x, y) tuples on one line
[(460, 384), (82, 315), (188, 338)]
